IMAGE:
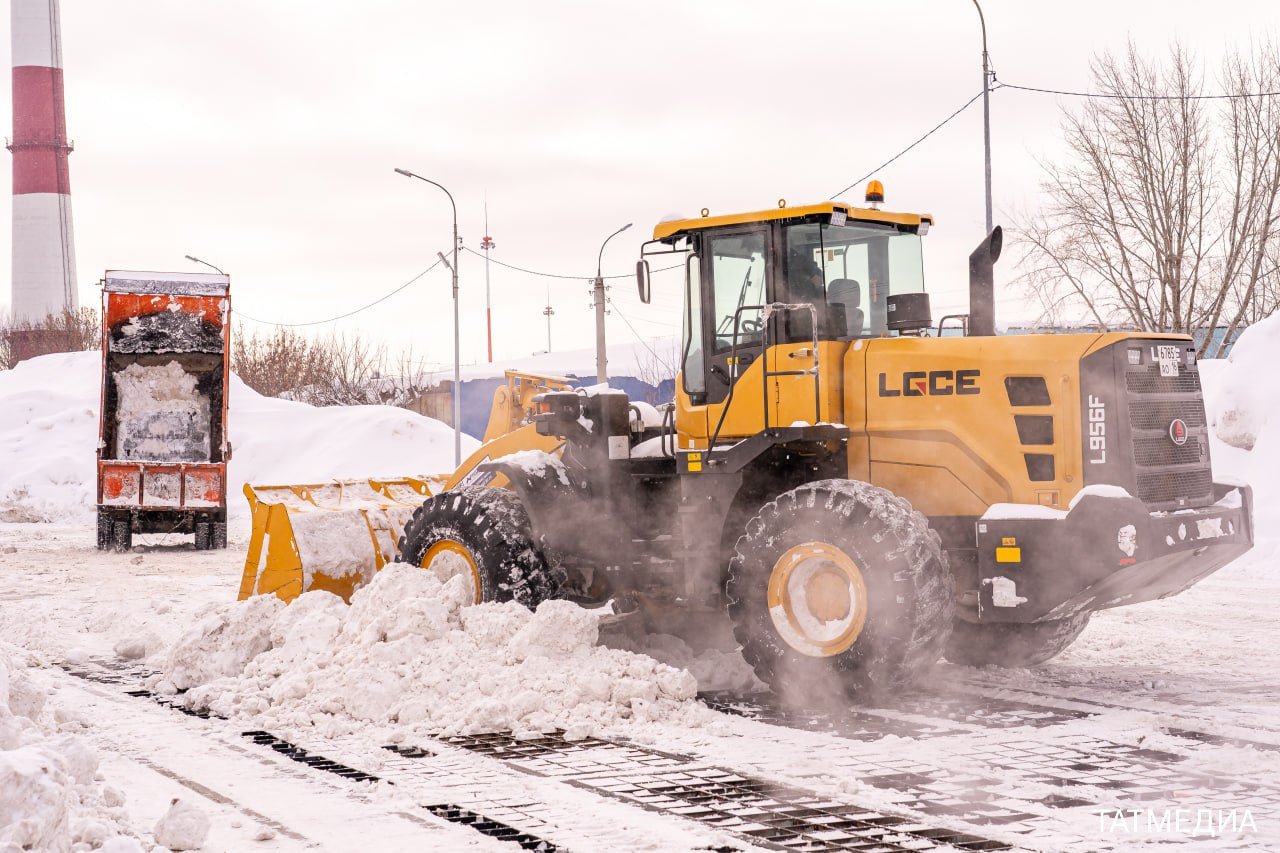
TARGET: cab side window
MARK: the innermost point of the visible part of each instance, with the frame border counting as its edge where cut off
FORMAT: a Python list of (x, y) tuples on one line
[(738, 276)]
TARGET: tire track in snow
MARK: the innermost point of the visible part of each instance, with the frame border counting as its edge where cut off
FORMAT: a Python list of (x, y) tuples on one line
[(140, 733)]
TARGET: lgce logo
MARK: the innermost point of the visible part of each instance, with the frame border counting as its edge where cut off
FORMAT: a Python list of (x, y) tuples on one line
[(1178, 431), (933, 383)]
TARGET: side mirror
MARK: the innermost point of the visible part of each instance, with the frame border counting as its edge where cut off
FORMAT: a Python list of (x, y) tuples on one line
[(642, 280)]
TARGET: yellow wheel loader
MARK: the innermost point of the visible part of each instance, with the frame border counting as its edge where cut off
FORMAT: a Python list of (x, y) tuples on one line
[(862, 491)]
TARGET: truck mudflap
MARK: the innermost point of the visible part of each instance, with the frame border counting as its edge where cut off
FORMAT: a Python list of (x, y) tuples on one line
[(1105, 551)]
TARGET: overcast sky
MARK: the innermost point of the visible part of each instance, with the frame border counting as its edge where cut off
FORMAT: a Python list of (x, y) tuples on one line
[(262, 136)]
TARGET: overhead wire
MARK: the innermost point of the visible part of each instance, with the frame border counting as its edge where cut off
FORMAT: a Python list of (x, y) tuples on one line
[(382, 298), (557, 275), (1000, 84), (931, 132)]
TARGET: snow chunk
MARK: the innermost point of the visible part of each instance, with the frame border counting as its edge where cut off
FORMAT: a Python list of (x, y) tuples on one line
[(182, 827)]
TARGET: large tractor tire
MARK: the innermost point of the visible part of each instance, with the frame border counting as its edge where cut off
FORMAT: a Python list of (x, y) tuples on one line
[(1012, 645), (486, 531), (840, 583)]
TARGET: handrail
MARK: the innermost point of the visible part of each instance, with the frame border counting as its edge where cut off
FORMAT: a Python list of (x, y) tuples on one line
[(768, 310)]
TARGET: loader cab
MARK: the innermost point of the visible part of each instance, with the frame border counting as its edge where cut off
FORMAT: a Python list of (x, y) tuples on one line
[(844, 262)]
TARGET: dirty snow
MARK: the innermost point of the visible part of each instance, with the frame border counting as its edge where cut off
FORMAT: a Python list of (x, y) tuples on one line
[(161, 415)]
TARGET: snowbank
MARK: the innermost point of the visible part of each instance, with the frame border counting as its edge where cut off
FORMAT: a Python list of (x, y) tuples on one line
[(1244, 414), (1242, 403), (49, 429), (407, 658), (50, 796)]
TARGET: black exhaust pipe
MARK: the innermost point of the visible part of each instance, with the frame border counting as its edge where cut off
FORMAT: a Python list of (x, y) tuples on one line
[(982, 285)]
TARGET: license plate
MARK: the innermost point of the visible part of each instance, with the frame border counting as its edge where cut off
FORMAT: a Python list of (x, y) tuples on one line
[(1169, 358)]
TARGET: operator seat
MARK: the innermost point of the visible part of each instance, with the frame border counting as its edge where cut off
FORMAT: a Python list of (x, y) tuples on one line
[(847, 293)]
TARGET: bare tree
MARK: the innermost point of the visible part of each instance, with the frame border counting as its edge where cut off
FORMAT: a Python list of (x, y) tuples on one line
[(328, 371), (1163, 216), (69, 331)]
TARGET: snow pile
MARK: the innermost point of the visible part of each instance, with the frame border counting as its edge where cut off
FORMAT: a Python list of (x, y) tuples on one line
[(1242, 403), (1244, 412), (49, 794), (408, 658), (49, 430)]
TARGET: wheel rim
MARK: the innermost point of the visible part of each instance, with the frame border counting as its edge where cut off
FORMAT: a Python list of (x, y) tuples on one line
[(817, 599), (450, 567)]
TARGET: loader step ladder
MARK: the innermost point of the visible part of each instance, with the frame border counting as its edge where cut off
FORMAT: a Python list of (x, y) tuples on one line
[(815, 371)]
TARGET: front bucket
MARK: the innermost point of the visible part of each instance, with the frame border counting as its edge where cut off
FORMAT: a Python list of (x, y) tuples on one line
[(330, 536)]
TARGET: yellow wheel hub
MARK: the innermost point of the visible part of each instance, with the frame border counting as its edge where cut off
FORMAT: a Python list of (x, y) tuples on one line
[(455, 559), (817, 599)]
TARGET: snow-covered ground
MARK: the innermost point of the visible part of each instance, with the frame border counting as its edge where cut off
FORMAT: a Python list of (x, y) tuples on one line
[(376, 726)]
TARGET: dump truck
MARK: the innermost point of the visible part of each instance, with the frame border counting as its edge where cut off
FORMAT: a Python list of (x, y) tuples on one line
[(163, 446), (862, 491)]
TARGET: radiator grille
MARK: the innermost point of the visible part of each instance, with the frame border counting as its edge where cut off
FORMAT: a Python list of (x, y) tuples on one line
[(1166, 474), (1158, 487), (1157, 414), (1159, 452), (1148, 380)]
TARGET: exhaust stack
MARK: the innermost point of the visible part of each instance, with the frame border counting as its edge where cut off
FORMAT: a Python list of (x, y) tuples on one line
[(44, 266), (982, 288)]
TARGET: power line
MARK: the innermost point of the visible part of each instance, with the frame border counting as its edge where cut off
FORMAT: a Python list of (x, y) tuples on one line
[(642, 341), (559, 275), (382, 298), (931, 132), (1123, 97)]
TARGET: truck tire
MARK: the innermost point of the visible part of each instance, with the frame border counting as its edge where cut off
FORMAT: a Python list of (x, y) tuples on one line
[(1012, 645), (489, 530), (202, 535), (218, 535), (840, 582), (104, 530), (121, 536)]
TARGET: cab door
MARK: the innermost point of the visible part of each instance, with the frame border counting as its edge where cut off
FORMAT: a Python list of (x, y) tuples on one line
[(736, 270)]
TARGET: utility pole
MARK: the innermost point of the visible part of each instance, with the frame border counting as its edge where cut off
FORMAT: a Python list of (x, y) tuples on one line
[(487, 244), (986, 110), (548, 312), (602, 372)]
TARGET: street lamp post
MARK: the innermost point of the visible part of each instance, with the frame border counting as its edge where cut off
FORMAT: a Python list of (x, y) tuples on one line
[(457, 351), (196, 260), (602, 373), (986, 110)]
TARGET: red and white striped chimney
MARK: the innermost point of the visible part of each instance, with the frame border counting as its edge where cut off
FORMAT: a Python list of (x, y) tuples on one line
[(44, 263)]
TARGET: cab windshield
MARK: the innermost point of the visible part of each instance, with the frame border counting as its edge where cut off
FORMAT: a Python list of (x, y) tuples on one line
[(848, 271)]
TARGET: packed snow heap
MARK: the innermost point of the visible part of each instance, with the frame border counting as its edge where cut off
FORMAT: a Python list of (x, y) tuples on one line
[(50, 796), (412, 656)]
